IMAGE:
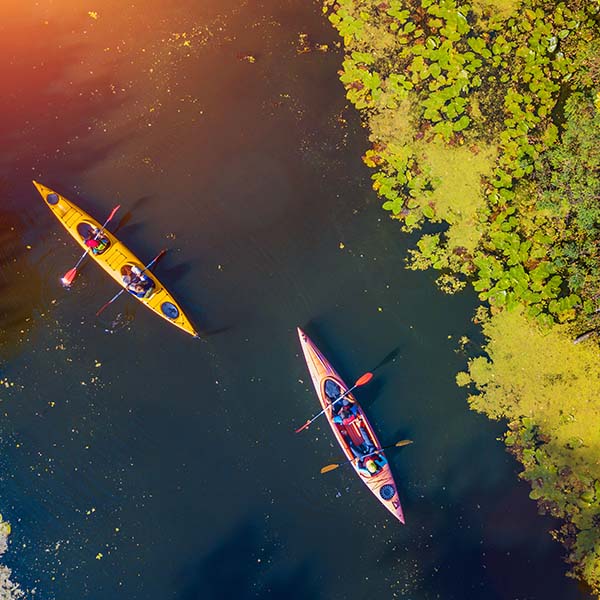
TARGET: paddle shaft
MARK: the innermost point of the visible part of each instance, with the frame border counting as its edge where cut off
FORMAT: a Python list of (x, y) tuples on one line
[(359, 382), (136, 278), (112, 214), (335, 466)]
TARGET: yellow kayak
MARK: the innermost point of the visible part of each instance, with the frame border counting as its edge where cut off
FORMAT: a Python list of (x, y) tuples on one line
[(116, 259)]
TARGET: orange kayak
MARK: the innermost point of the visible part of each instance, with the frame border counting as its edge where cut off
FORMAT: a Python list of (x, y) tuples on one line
[(352, 429)]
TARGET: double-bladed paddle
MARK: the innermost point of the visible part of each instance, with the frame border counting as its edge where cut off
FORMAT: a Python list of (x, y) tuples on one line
[(132, 281), (334, 466), (68, 277), (360, 381)]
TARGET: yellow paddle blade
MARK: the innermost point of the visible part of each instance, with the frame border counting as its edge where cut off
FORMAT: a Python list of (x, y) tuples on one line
[(329, 468), (404, 442)]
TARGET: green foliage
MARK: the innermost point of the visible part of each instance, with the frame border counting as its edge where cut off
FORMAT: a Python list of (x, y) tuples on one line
[(551, 406), (569, 191), (498, 106)]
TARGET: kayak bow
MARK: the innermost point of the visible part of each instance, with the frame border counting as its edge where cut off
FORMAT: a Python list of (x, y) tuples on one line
[(115, 258)]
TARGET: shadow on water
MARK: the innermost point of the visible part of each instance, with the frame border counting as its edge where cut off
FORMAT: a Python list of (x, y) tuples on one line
[(245, 565), (391, 357), (58, 123), (174, 274), (368, 393), (140, 203), (124, 220), (128, 229), (135, 206), (315, 329), (402, 433), (217, 330), (497, 544), (20, 285)]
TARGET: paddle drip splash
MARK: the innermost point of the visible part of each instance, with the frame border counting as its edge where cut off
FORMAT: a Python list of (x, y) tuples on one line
[(121, 321)]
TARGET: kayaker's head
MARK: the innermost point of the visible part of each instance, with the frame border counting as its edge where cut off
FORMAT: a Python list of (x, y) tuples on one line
[(371, 466)]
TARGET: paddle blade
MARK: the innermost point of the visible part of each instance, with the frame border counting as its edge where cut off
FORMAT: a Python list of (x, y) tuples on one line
[(303, 427), (364, 379), (68, 277), (160, 255), (329, 468), (403, 443), (112, 214)]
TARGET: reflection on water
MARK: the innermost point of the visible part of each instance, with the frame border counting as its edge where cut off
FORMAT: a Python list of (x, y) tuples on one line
[(119, 322)]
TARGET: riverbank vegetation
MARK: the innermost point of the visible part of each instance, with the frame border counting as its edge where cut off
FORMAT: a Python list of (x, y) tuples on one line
[(8, 589), (484, 123)]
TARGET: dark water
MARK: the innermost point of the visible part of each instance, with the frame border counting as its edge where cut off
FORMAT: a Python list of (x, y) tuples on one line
[(174, 461)]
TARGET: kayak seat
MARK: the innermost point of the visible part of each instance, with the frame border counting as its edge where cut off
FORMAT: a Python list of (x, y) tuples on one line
[(357, 433), (346, 436), (87, 232), (353, 429), (333, 391), (136, 282)]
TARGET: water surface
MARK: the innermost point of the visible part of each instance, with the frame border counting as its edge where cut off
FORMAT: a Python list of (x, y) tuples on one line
[(144, 464)]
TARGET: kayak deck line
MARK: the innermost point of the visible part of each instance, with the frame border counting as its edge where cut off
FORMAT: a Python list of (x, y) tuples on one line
[(117, 260), (351, 428)]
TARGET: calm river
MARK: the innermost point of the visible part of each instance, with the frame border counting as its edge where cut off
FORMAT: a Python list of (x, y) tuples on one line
[(147, 465)]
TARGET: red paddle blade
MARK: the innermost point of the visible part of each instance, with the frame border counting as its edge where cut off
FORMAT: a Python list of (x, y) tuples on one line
[(67, 280), (112, 214), (303, 427), (364, 379)]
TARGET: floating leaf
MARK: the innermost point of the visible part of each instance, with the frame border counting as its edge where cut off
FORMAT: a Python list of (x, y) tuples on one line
[(462, 123)]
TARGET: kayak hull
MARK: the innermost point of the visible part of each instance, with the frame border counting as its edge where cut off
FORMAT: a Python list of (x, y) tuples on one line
[(116, 258), (382, 484)]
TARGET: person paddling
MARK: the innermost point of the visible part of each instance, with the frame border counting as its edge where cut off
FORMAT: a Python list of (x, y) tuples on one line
[(95, 242), (370, 465), (137, 283), (92, 243)]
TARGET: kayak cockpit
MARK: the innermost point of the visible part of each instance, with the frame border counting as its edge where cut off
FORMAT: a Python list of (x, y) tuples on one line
[(351, 425), (93, 238), (371, 465), (137, 282), (349, 421)]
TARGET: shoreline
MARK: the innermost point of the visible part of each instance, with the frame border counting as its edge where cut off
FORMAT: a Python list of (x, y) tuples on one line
[(474, 114), (8, 589)]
